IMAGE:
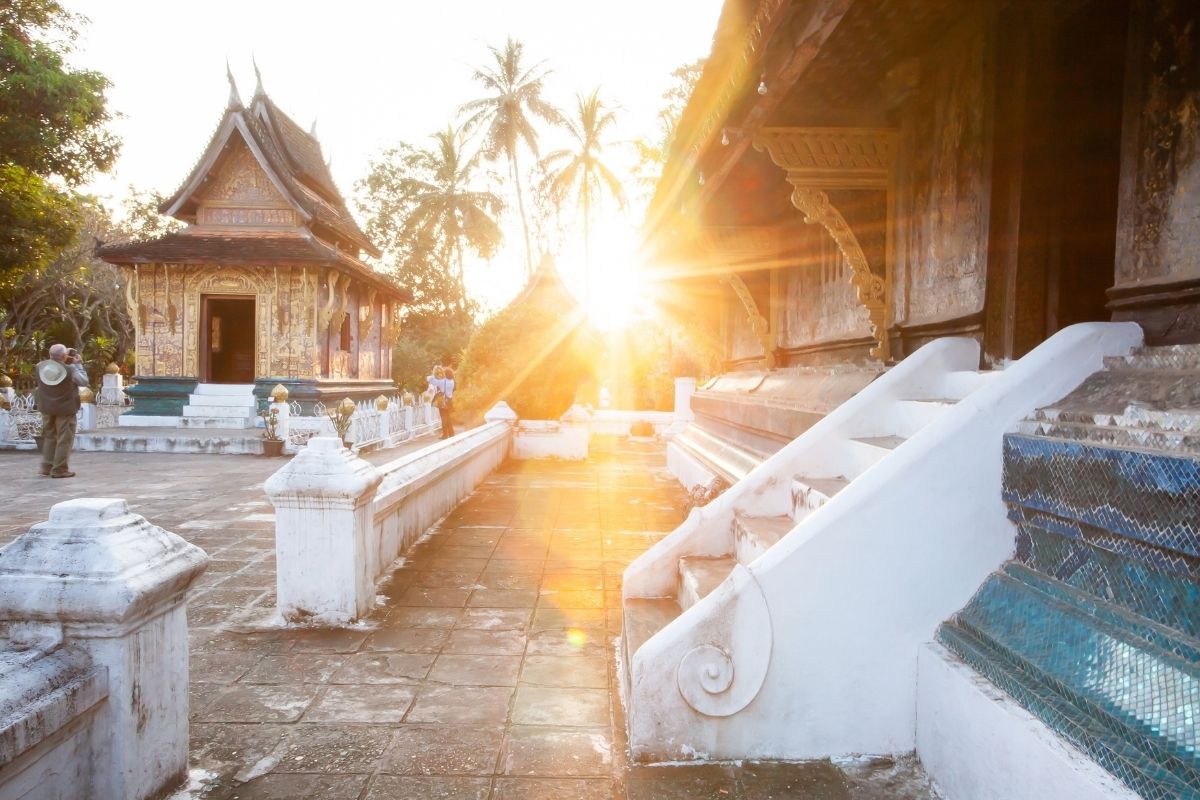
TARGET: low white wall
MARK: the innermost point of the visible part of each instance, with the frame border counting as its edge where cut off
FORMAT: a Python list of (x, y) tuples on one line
[(340, 522), (94, 675), (854, 590), (978, 744), (618, 422)]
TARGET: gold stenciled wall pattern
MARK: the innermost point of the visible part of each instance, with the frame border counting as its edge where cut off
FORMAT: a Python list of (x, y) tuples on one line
[(165, 302)]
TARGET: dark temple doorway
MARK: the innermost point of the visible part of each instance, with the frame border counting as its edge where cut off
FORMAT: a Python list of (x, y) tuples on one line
[(228, 340), (1059, 96)]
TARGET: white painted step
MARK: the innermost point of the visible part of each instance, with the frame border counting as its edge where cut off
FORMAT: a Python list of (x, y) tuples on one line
[(644, 617), (241, 399), (957, 385), (863, 453), (239, 410), (698, 576), (215, 422), (753, 536), (809, 494), (910, 416), (224, 388)]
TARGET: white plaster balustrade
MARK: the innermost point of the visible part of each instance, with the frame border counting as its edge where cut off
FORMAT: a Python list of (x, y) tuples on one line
[(855, 583), (94, 676), (340, 522)]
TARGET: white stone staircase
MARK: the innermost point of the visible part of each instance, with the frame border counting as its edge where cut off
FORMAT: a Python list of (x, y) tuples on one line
[(782, 620), (220, 405)]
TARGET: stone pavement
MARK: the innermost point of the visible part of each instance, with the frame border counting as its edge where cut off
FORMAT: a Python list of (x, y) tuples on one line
[(486, 671)]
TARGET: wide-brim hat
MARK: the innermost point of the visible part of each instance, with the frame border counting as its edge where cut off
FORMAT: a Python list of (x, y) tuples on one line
[(51, 372)]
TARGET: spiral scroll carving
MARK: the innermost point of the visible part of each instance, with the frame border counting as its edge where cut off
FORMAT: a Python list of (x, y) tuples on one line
[(722, 676)]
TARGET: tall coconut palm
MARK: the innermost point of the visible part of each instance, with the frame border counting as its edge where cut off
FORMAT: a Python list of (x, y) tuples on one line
[(579, 172), (445, 209), (514, 99)]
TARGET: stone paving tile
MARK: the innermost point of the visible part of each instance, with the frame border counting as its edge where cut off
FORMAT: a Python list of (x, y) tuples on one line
[(444, 750), (392, 787), (487, 672)]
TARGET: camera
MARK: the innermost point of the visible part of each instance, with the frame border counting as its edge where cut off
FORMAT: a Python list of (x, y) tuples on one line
[(73, 355)]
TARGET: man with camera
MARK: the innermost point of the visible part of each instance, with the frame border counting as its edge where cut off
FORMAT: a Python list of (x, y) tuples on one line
[(58, 400)]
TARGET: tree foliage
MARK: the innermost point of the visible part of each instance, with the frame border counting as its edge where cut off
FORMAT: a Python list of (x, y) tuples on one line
[(507, 114), (53, 132), (580, 173), (76, 299), (653, 153), (531, 355)]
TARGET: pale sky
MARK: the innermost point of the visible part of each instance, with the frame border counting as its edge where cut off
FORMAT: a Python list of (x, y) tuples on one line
[(370, 73)]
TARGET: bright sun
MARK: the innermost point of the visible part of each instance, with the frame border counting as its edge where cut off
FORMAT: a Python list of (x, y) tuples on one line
[(616, 292)]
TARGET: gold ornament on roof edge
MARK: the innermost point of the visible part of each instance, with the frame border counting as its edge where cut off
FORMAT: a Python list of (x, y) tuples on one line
[(279, 394)]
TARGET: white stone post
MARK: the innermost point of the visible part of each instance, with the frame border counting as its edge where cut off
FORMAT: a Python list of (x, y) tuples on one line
[(408, 421), (112, 389), (684, 389), (87, 410), (501, 412), (576, 432), (325, 553), (5, 424), (107, 581)]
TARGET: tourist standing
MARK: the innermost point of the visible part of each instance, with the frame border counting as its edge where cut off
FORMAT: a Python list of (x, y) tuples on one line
[(59, 378), (448, 406)]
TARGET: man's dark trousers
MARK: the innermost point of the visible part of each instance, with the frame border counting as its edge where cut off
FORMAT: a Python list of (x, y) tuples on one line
[(58, 436)]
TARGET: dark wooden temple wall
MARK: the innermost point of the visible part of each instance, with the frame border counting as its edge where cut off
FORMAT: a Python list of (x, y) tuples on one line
[(1158, 234), (943, 183), (818, 302)]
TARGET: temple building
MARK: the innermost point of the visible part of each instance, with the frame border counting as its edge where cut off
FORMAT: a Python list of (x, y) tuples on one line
[(265, 285), (952, 462)]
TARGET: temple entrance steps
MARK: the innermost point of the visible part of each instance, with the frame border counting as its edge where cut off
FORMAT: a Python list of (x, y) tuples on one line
[(220, 405), (1093, 626), (783, 618)]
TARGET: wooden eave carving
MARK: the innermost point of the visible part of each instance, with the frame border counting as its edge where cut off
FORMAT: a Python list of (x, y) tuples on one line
[(816, 159)]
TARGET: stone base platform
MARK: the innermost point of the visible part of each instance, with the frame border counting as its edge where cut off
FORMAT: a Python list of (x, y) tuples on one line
[(156, 439)]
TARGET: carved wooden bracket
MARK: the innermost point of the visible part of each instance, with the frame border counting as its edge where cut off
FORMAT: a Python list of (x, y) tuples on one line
[(841, 158), (871, 289), (758, 323)]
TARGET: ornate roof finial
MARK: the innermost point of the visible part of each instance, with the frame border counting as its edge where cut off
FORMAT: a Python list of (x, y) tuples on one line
[(258, 88), (313, 130), (235, 99)]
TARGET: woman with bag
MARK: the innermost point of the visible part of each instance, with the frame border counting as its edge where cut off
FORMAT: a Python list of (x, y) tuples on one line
[(441, 382)]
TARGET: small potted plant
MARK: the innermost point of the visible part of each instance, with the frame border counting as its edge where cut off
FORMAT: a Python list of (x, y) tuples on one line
[(272, 444), (341, 415)]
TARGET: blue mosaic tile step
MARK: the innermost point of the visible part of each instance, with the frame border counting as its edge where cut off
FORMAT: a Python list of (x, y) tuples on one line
[(1161, 587), (1149, 496), (1133, 767), (1094, 674)]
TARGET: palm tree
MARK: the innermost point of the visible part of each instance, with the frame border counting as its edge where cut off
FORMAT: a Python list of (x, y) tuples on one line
[(514, 95), (446, 210), (580, 172)]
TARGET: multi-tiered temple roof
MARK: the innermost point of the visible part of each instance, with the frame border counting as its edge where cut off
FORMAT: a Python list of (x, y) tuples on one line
[(262, 192)]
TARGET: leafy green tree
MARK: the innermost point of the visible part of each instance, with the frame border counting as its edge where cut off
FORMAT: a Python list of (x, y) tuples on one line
[(653, 153), (53, 133), (579, 173), (446, 210), (142, 220), (75, 299), (513, 102), (420, 211)]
